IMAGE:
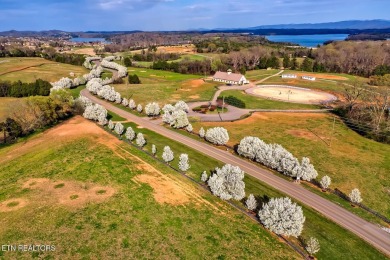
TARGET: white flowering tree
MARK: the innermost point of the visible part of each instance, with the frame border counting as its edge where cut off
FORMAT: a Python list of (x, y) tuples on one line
[(167, 155), (154, 150), (111, 125), (179, 119), (121, 70), (325, 182), (132, 104), (283, 217), (95, 112), (307, 170), (312, 246), (130, 134), (118, 98), (61, 84), (217, 135), (119, 128), (251, 202), (189, 128), (140, 141), (168, 109), (276, 157), (84, 102), (355, 196), (183, 162), (181, 105), (139, 108), (125, 102), (152, 109), (202, 132), (227, 182), (204, 176)]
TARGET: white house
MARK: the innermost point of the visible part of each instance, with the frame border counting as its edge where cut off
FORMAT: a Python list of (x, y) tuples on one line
[(230, 78), (289, 76), (309, 78)]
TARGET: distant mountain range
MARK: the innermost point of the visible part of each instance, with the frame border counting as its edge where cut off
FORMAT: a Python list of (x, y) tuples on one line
[(352, 24), (344, 27)]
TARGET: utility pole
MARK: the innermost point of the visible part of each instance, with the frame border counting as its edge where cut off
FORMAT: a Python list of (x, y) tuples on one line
[(223, 103)]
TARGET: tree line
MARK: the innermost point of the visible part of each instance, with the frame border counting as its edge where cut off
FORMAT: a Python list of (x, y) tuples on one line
[(36, 112), (21, 89), (46, 53)]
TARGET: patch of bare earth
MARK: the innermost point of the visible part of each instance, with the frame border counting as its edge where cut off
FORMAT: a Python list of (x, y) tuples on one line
[(68, 193), (86, 51), (322, 76), (167, 189), (193, 83), (12, 205), (306, 134), (72, 129)]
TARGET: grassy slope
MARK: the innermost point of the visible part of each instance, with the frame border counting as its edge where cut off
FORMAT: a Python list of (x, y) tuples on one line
[(351, 161), (165, 87), (334, 240), (50, 71), (131, 224), (253, 102)]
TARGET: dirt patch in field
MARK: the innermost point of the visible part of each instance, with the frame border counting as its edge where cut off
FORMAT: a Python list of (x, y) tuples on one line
[(86, 51), (12, 205), (194, 96), (68, 131), (306, 134), (177, 49), (68, 193), (193, 83), (322, 76)]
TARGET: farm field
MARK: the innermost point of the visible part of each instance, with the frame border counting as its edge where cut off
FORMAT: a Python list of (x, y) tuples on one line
[(329, 82), (352, 161), (86, 50), (165, 87), (255, 75), (253, 102), (30, 69), (111, 200), (5, 103)]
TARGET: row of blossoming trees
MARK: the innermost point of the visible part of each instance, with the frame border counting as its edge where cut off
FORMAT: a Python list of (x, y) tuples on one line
[(280, 215), (96, 71)]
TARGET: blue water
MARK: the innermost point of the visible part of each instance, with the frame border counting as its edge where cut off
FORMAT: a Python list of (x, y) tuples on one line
[(88, 40), (307, 40)]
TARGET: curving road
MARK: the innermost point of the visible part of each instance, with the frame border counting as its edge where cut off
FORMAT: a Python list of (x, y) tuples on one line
[(367, 231)]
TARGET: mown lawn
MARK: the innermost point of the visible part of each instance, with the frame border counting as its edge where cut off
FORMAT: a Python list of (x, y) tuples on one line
[(255, 75), (334, 240), (351, 160), (30, 69), (166, 87), (253, 102), (129, 225)]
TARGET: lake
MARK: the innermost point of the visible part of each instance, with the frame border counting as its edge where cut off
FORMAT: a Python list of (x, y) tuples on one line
[(88, 40), (307, 40)]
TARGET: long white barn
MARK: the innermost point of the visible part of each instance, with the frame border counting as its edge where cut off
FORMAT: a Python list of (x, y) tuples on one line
[(230, 78)]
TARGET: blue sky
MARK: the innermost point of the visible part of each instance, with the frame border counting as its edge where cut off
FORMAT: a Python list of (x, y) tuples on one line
[(81, 15)]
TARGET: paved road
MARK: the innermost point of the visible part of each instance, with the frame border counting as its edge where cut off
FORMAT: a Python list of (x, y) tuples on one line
[(367, 231)]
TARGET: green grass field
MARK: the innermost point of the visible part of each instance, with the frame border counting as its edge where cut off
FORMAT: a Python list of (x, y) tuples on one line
[(329, 234), (166, 87), (127, 223), (253, 102), (133, 223), (255, 75), (330, 81), (30, 69), (352, 161)]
